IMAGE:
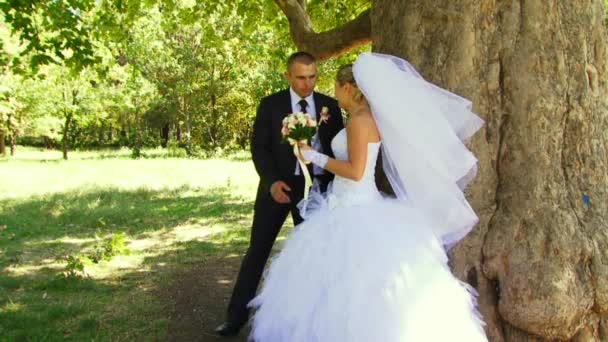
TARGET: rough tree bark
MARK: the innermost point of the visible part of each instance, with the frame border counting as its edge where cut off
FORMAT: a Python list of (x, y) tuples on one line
[(536, 71)]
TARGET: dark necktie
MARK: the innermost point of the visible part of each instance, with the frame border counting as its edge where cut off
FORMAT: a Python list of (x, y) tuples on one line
[(303, 104)]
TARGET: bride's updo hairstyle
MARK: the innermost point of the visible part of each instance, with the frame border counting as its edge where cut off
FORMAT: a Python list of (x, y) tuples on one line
[(345, 75)]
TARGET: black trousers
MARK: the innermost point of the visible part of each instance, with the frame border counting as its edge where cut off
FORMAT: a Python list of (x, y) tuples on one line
[(268, 218)]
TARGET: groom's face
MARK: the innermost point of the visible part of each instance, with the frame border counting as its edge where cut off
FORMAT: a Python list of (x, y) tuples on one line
[(302, 78)]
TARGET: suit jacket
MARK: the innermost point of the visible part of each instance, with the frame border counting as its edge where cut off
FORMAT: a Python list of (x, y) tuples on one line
[(274, 159)]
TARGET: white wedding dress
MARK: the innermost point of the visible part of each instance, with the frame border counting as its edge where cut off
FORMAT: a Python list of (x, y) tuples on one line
[(363, 267)]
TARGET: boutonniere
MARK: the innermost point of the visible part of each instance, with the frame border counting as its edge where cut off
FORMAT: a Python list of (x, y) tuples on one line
[(324, 115)]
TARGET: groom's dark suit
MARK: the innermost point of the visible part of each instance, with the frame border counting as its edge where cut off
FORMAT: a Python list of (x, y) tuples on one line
[(274, 160)]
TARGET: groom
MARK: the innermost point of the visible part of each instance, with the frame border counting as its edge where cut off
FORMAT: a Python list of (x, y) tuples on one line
[(281, 184)]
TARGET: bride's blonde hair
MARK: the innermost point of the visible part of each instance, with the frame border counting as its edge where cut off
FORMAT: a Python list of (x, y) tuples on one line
[(345, 75)]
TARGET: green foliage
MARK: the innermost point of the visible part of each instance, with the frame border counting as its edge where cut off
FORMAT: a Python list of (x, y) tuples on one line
[(175, 149), (52, 31), (109, 248), (138, 74), (75, 266), (104, 250)]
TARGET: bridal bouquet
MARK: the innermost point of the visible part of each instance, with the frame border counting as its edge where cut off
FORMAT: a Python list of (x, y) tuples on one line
[(298, 127)]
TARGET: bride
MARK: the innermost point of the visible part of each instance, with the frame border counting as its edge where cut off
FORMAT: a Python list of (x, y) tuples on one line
[(366, 267)]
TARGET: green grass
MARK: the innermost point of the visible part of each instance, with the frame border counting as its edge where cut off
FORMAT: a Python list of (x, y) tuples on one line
[(174, 212)]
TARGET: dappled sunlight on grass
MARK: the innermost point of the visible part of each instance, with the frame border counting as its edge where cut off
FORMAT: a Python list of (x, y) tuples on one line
[(119, 266), (175, 213), (11, 307), (48, 253), (45, 254), (62, 240), (151, 240), (25, 269), (160, 239), (132, 211), (196, 232)]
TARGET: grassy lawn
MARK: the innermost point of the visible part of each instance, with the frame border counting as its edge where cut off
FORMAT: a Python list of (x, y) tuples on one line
[(175, 213)]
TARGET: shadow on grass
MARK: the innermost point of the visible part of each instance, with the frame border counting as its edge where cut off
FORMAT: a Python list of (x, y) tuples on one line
[(82, 213), (128, 304), (42, 230), (50, 308), (180, 295)]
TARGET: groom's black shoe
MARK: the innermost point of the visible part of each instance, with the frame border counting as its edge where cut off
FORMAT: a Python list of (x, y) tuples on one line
[(228, 329)]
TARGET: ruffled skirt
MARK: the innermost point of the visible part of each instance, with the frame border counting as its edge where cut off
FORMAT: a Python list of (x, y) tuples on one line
[(369, 272)]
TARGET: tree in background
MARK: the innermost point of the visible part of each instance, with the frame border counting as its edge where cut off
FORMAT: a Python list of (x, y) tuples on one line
[(209, 61)]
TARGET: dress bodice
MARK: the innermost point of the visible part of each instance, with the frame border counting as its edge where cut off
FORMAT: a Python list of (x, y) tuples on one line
[(347, 191)]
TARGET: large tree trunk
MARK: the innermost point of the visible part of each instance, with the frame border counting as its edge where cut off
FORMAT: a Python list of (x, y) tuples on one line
[(536, 71)]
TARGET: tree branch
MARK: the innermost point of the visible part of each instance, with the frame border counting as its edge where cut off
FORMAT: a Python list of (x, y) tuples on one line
[(325, 45)]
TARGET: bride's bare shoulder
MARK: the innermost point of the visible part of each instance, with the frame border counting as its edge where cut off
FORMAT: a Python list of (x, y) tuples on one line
[(362, 118), (364, 121)]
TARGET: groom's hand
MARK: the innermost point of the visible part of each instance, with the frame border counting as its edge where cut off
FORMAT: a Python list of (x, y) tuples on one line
[(278, 191)]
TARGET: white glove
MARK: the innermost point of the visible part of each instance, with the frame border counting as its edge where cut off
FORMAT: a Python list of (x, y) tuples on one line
[(315, 157)]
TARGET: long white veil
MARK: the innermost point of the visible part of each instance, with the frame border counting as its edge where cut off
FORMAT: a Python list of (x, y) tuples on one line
[(422, 128)]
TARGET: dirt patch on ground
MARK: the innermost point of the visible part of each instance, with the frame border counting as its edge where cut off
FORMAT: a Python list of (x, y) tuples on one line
[(197, 299)]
